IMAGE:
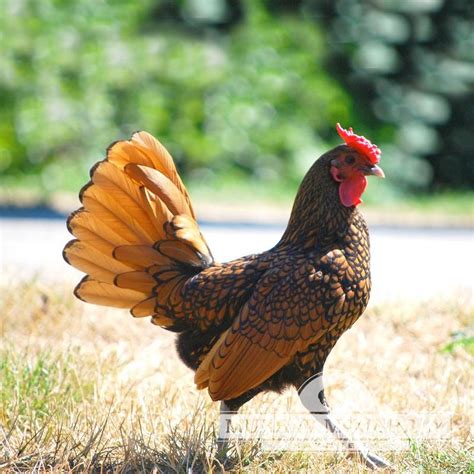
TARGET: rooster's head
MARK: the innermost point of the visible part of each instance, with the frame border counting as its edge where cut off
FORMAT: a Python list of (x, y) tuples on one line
[(355, 160)]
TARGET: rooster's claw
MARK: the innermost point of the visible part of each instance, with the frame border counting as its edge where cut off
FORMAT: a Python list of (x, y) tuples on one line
[(375, 462)]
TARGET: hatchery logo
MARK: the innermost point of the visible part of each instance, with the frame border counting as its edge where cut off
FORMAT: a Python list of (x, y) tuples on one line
[(357, 420)]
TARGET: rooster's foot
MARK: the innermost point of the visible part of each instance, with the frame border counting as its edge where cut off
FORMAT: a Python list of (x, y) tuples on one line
[(222, 445), (372, 461), (223, 459)]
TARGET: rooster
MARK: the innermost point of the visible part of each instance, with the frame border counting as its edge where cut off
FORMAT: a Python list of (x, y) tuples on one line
[(261, 322)]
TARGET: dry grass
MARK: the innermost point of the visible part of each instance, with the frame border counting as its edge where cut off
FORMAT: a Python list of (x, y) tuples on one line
[(87, 388)]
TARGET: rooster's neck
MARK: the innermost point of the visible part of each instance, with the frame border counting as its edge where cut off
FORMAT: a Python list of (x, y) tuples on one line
[(318, 217)]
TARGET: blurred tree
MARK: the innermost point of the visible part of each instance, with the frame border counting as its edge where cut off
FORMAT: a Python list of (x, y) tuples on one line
[(228, 88), (413, 62), (236, 88)]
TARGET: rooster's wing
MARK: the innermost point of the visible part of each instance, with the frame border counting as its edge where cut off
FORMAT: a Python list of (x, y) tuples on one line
[(288, 311)]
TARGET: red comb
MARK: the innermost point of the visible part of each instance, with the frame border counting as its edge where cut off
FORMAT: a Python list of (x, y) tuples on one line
[(360, 143)]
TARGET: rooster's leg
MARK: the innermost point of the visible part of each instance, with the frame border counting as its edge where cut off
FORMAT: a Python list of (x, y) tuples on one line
[(312, 396), (225, 419), (355, 447), (229, 408)]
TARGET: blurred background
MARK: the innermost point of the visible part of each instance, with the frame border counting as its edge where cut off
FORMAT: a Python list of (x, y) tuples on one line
[(244, 93)]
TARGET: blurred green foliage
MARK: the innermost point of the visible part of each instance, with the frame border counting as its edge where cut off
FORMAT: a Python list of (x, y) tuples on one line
[(236, 90), (409, 63)]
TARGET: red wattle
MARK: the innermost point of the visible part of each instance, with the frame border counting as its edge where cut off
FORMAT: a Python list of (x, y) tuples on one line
[(351, 189)]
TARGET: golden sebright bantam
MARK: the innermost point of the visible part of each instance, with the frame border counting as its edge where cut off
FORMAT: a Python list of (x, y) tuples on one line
[(262, 322)]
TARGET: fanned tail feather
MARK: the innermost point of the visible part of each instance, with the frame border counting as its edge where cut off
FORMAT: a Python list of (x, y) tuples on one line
[(136, 235)]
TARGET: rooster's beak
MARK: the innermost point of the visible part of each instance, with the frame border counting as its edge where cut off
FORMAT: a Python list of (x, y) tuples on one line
[(374, 170)]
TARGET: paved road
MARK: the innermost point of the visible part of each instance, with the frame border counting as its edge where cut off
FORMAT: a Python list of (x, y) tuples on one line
[(406, 263)]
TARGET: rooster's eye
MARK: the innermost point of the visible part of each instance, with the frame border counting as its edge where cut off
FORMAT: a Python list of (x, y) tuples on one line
[(349, 160)]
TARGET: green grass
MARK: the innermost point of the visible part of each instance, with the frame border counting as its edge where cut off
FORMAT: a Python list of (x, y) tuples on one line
[(462, 341), (429, 459), (37, 385)]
